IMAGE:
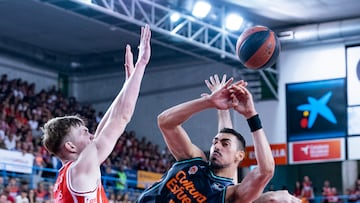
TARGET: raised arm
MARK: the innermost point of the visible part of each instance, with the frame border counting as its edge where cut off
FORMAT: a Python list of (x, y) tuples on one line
[(255, 181), (122, 108), (129, 69), (170, 122), (224, 118), (86, 167)]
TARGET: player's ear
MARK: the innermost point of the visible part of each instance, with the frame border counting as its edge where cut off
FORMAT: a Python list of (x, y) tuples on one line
[(70, 146), (240, 155)]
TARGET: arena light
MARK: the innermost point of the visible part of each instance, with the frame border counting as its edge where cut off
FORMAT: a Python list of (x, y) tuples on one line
[(233, 22), (175, 17), (201, 9), (86, 1)]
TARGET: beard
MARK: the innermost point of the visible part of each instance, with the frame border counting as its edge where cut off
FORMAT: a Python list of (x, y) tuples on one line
[(217, 161), (215, 164)]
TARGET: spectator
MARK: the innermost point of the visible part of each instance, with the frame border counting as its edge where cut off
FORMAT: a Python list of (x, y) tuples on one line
[(50, 193), (125, 198), (24, 185), (13, 187), (40, 192), (3, 198), (326, 191), (10, 199), (22, 197), (10, 141), (31, 196), (122, 179), (351, 196), (307, 192), (333, 196), (298, 189)]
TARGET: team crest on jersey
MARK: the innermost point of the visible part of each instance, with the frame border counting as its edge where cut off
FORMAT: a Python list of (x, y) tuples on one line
[(217, 186), (193, 170)]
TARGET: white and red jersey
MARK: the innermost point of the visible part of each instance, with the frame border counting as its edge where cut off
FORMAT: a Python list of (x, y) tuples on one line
[(63, 192)]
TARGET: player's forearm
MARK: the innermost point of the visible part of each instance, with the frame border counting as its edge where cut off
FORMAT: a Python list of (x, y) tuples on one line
[(263, 153), (118, 115), (124, 104), (224, 119), (178, 114)]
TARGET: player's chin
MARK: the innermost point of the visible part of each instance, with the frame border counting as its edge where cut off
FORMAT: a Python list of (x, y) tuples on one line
[(215, 164)]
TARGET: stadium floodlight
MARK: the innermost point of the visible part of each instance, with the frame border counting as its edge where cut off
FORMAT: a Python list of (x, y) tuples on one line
[(175, 17), (233, 22), (86, 1), (201, 9)]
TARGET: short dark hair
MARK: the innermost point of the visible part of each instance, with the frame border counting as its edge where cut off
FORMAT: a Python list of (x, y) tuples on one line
[(237, 135)]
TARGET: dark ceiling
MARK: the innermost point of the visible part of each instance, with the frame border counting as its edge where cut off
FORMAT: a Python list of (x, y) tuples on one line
[(72, 37)]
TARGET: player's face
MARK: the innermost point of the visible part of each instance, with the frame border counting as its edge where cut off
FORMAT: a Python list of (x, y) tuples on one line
[(80, 137), (223, 150)]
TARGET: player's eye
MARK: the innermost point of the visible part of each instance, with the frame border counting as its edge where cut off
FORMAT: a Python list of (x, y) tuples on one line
[(225, 144)]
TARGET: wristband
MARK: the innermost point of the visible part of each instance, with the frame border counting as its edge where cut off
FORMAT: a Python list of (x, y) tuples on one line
[(254, 123)]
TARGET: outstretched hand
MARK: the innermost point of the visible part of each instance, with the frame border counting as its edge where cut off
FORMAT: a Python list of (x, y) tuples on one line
[(144, 47), (220, 96), (214, 82), (242, 99), (144, 52)]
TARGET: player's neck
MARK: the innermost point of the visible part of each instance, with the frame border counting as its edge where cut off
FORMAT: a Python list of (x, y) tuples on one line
[(228, 172), (68, 159)]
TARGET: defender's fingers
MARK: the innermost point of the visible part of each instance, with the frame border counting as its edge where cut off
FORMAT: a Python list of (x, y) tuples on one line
[(208, 84), (223, 79)]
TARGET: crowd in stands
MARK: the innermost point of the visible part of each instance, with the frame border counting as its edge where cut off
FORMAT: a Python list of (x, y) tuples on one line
[(22, 114), (327, 193)]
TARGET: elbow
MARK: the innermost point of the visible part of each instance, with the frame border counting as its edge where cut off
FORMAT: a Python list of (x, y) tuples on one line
[(162, 120), (268, 170), (124, 118), (166, 121)]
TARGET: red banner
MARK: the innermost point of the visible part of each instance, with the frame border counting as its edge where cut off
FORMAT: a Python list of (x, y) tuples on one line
[(317, 151), (279, 152)]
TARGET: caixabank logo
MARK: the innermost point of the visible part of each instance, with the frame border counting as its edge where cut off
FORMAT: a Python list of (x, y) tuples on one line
[(316, 110)]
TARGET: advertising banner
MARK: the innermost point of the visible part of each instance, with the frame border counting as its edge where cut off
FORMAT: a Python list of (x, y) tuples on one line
[(317, 151), (279, 152), (16, 161)]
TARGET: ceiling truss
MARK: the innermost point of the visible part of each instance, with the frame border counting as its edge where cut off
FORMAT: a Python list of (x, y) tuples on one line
[(189, 35)]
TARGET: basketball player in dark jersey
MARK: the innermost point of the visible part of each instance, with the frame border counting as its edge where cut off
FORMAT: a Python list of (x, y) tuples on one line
[(193, 178)]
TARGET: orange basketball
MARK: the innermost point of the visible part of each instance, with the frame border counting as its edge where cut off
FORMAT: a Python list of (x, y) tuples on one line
[(258, 47)]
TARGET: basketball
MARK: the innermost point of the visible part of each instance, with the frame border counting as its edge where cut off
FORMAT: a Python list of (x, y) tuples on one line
[(258, 47)]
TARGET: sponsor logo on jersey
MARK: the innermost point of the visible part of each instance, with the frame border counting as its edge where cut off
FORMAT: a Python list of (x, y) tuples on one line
[(183, 189), (193, 170)]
